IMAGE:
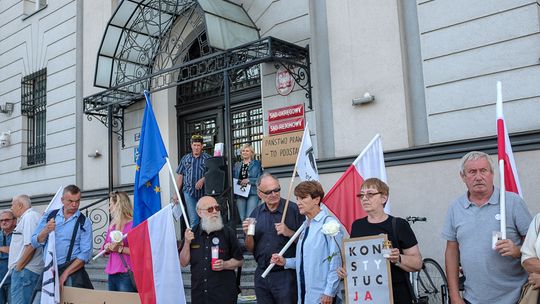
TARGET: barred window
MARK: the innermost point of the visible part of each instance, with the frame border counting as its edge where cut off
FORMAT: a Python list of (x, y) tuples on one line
[(247, 128), (34, 107)]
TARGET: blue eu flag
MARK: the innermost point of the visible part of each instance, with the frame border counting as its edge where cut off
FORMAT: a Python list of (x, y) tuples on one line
[(151, 158)]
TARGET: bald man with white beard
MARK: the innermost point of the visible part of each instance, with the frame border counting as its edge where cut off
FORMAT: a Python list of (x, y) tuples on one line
[(212, 280)]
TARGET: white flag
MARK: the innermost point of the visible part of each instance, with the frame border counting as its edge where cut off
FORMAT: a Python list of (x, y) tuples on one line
[(305, 163), (50, 290)]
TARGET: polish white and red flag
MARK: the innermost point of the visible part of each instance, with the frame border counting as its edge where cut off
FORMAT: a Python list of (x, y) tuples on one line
[(511, 180), (50, 288), (341, 199), (155, 263)]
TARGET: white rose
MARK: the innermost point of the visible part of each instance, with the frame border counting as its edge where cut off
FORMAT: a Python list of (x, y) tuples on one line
[(331, 228), (116, 236)]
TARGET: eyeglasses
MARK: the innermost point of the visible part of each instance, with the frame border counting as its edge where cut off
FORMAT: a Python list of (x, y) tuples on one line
[(211, 209), (367, 195), (6, 220), (277, 190)]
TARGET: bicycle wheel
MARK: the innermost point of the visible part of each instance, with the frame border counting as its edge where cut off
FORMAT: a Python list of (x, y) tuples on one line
[(432, 282)]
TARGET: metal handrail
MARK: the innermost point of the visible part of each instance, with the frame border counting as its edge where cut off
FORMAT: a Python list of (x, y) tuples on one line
[(85, 208), (100, 219)]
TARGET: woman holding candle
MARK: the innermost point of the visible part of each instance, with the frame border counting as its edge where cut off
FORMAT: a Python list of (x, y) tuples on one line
[(404, 255)]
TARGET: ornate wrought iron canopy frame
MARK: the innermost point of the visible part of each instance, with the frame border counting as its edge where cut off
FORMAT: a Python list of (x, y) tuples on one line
[(265, 50)]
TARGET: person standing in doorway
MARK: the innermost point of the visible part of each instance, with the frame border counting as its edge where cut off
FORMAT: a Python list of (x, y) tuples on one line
[(191, 177), (247, 171)]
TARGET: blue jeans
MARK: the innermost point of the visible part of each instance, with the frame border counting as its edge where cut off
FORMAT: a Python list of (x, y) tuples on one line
[(22, 285), (5, 294), (191, 205), (121, 282), (278, 287), (246, 205)]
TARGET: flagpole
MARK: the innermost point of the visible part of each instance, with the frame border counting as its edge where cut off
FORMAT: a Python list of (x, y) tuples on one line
[(288, 196), (102, 252), (5, 277), (292, 179), (502, 200), (502, 188), (282, 252), (177, 192)]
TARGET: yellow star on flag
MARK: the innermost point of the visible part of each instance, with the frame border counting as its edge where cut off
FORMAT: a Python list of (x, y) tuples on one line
[(137, 167), (148, 184), (156, 189)]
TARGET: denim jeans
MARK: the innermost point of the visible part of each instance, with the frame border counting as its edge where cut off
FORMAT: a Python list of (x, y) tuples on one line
[(121, 282), (5, 294), (191, 205), (246, 205), (22, 285)]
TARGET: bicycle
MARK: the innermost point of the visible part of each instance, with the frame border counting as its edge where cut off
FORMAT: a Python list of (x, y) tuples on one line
[(429, 284)]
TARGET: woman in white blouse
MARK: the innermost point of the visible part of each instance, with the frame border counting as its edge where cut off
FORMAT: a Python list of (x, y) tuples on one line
[(530, 252)]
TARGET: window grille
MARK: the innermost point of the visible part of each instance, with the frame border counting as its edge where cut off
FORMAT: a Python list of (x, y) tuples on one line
[(34, 107), (247, 128)]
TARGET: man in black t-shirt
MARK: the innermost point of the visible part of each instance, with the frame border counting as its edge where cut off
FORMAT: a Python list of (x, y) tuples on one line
[(213, 279)]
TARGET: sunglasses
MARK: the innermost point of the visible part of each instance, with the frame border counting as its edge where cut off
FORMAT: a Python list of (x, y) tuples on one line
[(211, 209), (367, 195), (6, 220), (277, 190)]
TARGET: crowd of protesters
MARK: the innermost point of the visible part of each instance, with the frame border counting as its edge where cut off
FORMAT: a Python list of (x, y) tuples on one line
[(495, 269)]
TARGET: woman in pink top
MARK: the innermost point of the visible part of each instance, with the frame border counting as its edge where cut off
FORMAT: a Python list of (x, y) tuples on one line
[(119, 265)]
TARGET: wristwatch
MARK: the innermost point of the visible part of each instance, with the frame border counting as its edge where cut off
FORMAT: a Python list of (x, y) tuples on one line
[(398, 262)]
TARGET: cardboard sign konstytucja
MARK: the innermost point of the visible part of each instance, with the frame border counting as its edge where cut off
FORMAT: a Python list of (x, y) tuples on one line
[(72, 295), (368, 272)]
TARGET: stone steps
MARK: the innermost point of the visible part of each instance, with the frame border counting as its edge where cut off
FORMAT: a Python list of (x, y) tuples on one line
[(99, 278)]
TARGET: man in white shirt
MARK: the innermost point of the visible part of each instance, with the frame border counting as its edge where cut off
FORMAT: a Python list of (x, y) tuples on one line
[(27, 262)]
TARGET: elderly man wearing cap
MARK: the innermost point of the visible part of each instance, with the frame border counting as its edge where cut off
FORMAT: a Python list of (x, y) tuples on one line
[(191, 177)]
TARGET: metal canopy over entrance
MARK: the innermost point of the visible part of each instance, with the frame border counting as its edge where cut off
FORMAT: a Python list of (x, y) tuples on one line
[(139, 39), (267, 50)]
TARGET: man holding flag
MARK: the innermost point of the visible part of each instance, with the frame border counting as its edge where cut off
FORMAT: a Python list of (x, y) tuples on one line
[(73, 234), (270, 236), (156, 267), (214, 253), (492, 267)]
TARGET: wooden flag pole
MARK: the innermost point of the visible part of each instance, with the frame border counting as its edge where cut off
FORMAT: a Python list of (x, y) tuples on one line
[(177, 193), (282, 252), (502, 200), (289, 194)]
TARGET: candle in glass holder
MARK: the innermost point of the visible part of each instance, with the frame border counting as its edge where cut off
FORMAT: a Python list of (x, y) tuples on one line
[(387, 249)]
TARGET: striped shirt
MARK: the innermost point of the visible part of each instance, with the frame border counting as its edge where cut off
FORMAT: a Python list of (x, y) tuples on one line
[(192, 169)]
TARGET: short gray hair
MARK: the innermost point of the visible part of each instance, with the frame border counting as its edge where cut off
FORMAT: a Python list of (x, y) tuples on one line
[(266, 174), (24, 200), (474, 155), (10, 212)]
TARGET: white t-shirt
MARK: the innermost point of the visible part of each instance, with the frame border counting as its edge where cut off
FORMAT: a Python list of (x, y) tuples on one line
[(22, 235)]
